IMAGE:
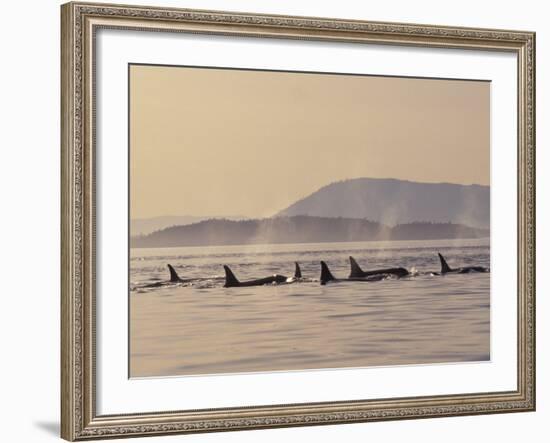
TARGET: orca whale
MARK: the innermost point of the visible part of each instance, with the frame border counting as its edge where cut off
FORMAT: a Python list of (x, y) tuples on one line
[(231, 281), (174, 278), (326, 276), (297, 277), (446, 269), (356, 270)]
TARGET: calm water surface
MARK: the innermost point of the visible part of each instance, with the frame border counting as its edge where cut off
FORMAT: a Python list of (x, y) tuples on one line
[(203, 328)]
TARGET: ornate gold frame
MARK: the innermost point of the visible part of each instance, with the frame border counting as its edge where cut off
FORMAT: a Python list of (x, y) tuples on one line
[(79, 23)]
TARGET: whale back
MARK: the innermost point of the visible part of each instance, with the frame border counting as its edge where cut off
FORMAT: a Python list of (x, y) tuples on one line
[(444, 266), (356, 270), (174, 277), (326, 275), (230, 279), (297, 271)]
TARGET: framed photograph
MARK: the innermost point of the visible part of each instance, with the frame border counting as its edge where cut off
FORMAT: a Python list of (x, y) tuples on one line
[(277, 221)]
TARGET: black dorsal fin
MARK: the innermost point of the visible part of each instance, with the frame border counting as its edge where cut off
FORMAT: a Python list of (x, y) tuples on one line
[(174, 277), (444, 266), (230, 279), (297, 271), (356, 270), (326, 275)]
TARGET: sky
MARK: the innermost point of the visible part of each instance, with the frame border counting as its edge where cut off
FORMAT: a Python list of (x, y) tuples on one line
[(215, 142)]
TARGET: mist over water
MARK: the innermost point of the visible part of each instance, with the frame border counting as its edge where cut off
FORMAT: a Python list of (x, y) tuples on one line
[(202, 328)]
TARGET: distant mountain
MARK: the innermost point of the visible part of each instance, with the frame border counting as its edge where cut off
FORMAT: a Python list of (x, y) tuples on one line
[(144, 226), (392, 202), (298, 229)]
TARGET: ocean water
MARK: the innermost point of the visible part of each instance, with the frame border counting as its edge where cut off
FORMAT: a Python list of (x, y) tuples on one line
[(199, 327)]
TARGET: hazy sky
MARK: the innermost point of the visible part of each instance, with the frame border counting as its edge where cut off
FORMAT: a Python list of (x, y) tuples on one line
[(229, 142)]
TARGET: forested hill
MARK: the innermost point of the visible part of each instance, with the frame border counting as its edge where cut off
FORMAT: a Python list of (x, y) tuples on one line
[(392, 202), (298, 229)]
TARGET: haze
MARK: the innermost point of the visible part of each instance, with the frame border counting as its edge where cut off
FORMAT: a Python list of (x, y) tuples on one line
[(211, 142)]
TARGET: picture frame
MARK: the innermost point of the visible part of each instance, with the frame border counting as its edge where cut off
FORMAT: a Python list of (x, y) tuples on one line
[(81, 22)]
